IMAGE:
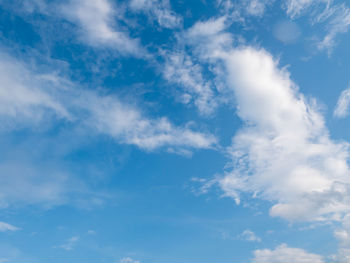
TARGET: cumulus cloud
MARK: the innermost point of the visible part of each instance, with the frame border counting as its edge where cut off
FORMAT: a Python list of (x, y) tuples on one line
[(342, 108), (284, 153), (4, 227), (285, 254), (159, 10), (97, 22)]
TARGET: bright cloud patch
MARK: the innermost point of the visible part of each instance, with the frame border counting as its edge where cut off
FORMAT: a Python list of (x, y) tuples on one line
[(283, 154), (342, 107), (285, 254), (159, 10), (96, 19), (27, 95), (4, 227)]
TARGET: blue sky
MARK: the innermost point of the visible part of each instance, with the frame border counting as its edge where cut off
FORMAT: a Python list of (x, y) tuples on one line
[(153, 131)]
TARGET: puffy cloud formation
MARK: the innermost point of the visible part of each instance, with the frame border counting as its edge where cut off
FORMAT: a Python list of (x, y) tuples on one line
[(283, 153), (285, 254)]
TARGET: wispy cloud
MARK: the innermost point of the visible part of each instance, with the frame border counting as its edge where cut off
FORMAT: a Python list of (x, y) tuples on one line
[(70, 244), (4, 227), (97, 22), (28, 95), (342, 108), (181, 70), (32, 99), (250, 236), (159, 10), (334, 17)]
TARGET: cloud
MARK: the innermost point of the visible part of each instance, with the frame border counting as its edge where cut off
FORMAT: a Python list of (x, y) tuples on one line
[(127, 125), (180, 69), (160, 10), (69, 245), (128, 260), (285, 254), (283, 153), (32, 100), (4, 227), (295, 8), (334, 17), (96, 20), (242, 10), (250, 236), (342, 108), (257, 7), (25, 94), (339, 23)]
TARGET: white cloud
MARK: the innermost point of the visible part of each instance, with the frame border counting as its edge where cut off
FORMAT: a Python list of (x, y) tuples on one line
[(69, 245), (4, 227), (342, 108), (249, 235), (334, 17), (285, 254), (158, 9), (257, 7), (295, 8), (181, 70), (339, 23), (127, 125), (97, 22), (29, 98), (284, 153), (28, 95), (128, 260), (240, 11)]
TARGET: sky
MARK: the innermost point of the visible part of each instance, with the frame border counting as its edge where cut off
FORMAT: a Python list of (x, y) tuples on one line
[(159, 131)]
